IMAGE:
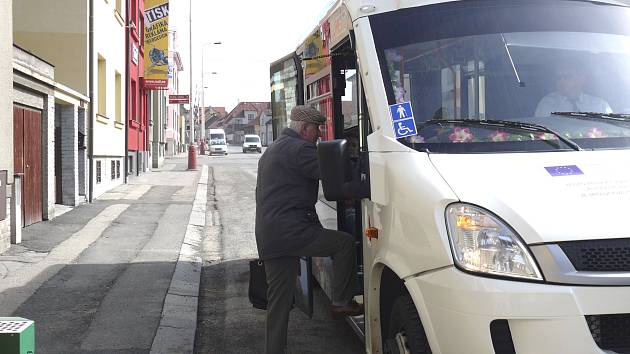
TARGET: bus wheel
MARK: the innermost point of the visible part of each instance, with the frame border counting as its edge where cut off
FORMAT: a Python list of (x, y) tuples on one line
[(406, 334)]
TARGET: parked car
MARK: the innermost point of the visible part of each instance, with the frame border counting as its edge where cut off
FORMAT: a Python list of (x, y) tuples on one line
[(252, 143)]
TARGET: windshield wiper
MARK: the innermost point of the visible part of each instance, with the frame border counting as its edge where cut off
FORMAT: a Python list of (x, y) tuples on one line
[(509, 124), (619, 117)]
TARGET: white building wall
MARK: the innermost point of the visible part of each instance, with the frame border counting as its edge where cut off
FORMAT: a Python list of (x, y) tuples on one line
[(158, 113), (109, 135), (173, 110), (6, 112), (48, 155)]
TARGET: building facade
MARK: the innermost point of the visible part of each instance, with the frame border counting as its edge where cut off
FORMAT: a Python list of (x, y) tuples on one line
[(158, 109), (6, 123), (215, 117), (266, 128), (43, 42), (34, 136), (242, 120), (109, 93), (173, 142), (138, 157)]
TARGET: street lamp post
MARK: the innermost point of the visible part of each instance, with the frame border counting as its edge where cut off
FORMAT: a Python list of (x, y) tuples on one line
[(192, 153), (190, 115), (203, 91)]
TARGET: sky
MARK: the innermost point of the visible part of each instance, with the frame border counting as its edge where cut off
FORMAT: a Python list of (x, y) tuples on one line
[(253, 34)]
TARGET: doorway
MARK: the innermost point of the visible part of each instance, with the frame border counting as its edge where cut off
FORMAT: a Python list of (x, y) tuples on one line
[(27, 153)]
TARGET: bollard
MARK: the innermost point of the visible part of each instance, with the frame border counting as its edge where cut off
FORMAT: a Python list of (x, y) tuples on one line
[(16, 209), (192, 157)]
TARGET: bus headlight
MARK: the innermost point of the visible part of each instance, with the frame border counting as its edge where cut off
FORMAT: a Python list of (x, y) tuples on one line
[(482, 243)]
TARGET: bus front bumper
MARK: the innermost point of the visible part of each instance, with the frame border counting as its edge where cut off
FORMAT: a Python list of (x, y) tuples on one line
[(457, 310)]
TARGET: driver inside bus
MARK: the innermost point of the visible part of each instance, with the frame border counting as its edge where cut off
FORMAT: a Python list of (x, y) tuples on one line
[(570, 79)]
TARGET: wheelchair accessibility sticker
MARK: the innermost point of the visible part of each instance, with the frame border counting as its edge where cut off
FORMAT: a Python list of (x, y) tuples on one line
[(402, 117)]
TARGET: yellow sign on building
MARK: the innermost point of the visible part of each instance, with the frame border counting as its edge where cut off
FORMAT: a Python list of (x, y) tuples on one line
[(156, 44)]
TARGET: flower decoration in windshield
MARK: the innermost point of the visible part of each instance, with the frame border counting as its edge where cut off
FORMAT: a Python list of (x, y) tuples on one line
[(461, 135), (416, 139), (596, 133), (545, 136), (499, 136)]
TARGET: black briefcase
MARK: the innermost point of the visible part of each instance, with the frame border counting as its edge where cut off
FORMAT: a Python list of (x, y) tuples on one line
[(257, 284)]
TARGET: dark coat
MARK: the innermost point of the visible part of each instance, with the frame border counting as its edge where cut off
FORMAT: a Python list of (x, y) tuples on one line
[(286, 193)]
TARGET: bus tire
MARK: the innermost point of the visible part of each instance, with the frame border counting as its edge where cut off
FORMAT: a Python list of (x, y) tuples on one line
[(405, 327)]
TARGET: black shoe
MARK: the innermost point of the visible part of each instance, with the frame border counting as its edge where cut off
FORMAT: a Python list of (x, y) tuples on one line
[(351, 309)]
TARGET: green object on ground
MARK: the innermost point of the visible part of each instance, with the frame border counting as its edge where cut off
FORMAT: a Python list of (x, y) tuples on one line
[(17, 335)]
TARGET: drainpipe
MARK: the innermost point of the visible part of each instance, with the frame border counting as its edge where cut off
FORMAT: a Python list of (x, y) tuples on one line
[(142, 121), (91, 105), (127, 95)]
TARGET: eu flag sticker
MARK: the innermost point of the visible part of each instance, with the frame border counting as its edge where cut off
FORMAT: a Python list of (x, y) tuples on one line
[(558, 171)]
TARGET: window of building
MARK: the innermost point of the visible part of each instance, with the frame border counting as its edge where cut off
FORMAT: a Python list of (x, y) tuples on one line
[(113, 171), (98, 171), (118, 169), (102, 86), (134, 100), (143, 107), (118, 97), (141, 28), (134, 11)]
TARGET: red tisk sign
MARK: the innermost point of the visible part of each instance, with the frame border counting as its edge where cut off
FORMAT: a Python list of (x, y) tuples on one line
[(155, 84), (178, 99)]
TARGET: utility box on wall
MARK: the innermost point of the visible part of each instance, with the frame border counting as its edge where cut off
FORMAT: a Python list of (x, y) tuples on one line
[(3, 195), (17, 335)]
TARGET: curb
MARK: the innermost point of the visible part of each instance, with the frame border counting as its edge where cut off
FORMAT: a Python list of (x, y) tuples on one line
[(178, 324)]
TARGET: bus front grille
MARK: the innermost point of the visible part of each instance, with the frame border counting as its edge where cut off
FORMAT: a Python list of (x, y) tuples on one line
[(599, 255)]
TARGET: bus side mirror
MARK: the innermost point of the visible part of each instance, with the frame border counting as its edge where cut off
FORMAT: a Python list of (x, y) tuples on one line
[(335, 168)]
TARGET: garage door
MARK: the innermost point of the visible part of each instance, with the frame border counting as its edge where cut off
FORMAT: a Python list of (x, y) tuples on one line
[(27, 154)]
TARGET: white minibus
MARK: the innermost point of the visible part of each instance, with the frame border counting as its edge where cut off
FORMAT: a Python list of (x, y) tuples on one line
[(218, 144), (479, 152)]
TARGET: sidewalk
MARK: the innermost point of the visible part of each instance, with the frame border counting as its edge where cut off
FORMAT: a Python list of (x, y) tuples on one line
[(120, 275)]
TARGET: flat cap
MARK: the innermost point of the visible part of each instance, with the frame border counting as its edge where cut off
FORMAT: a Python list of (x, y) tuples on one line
[(307, 114)]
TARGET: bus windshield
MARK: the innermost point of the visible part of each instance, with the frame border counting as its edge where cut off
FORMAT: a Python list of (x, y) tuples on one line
[(217, 139), (562, 65)]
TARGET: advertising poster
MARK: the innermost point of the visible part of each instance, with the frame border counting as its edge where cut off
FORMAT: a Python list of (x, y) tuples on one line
[(315, 54), (156, 45)]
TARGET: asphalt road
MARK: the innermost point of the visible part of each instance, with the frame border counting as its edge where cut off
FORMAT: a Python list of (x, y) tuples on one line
[(227, 323)]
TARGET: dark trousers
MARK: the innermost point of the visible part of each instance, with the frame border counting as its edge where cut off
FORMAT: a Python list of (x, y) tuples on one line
[(281, 281)]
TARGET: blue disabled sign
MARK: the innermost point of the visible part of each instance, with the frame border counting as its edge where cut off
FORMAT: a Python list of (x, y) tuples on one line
[(402, 117)]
